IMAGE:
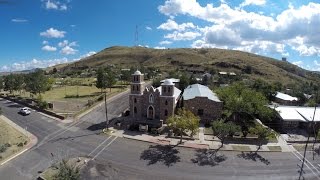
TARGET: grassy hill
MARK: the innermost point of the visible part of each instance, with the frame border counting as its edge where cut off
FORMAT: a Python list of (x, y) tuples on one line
[(248, 65)]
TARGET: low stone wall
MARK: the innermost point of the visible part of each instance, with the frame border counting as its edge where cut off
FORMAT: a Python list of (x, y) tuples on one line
[(33, 107)]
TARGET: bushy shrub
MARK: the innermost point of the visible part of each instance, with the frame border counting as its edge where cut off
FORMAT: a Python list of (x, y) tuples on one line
[(43, 104), (4, 147)]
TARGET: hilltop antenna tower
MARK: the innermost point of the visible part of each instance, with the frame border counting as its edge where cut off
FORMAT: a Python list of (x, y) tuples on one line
[(136, 36)]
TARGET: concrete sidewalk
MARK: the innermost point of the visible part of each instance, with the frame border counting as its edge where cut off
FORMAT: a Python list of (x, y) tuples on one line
[(33, 139), (201, 143)]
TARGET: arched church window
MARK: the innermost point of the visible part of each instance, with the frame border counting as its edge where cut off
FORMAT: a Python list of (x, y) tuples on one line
[(151, 98)]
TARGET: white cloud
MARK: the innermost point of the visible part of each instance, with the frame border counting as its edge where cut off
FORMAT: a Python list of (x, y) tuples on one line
[(298, 63), (148, 28), (66, 43), (37, 63), (236, 28), (165, 42), (67, 50), (49, 48), (182, 36), (63, 7), (172, 25), (53, 33), (56, 5), (159, 47), (45, 42), (253, 2), (88, 54), (18, 20)]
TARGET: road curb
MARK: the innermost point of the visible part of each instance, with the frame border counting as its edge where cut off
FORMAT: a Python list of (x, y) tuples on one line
[(99, 104), (33, 139), (142, 140)]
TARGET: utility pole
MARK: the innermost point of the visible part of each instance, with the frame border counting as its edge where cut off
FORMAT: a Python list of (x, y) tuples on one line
[(305, 148), (314, 131), (105, 104)]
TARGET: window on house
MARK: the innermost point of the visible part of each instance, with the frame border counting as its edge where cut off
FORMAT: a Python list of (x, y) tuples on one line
[(135, 110), (169, 89), (165, 112), (166, 103), (151, 98), (135, 100), (200, 112), (164, 89)]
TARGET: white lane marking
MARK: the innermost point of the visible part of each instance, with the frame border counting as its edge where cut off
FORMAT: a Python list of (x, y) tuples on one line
[(105, 147), (99, 146), (293, 152), (305, 164), (309, 162), (13, 157)]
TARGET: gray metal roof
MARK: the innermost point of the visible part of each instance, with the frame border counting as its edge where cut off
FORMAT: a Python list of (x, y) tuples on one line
[(198, 90)]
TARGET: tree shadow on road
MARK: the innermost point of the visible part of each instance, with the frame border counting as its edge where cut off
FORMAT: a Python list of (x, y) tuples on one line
[(96, 127), (166, 154), (205, 157), (253, 156)]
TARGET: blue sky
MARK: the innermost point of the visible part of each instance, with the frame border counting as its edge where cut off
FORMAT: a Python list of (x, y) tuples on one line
[(41, 33)]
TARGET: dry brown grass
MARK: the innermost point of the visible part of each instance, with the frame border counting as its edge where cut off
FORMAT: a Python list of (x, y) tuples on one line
[(269, 69), (11, 136)]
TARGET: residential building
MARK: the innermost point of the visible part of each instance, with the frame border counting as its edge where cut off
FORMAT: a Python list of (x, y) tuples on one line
[(285, 99), (293, 117), (203, 102)]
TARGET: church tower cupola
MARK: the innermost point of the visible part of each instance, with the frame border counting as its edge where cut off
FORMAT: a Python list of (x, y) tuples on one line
[(137, 83), (167, 88)]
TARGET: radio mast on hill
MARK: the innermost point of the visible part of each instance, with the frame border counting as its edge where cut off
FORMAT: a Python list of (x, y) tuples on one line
[(136, 36)]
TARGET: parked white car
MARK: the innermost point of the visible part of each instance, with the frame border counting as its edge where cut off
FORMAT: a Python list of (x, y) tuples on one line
[(25, 111)]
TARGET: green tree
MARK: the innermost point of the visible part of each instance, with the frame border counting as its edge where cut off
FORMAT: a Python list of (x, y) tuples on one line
[(222, 129), (184, 121), (261, 132), (18, 83), (184, 81), (101, 79), (156, 82), (9, 83), (266, 89), (37, 82), (243, 105), (193, 80), (110, 79), (67, 171), (1, 83)]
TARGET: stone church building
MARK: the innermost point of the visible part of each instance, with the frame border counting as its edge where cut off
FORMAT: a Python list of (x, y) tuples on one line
[(149, 105)]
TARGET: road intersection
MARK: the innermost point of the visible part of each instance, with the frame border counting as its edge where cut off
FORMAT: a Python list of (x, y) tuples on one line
[(122, 158)]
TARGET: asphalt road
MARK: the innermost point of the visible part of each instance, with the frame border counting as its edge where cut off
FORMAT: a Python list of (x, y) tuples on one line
[(118, 158)]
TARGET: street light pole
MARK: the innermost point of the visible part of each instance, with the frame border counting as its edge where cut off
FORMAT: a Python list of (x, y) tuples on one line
[(105, 104)]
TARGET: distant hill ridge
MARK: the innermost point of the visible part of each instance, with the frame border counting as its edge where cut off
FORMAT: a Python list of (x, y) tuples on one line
[(250, 65)]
